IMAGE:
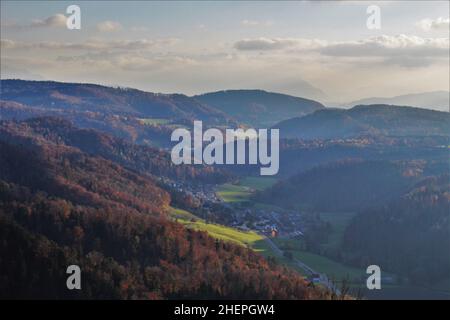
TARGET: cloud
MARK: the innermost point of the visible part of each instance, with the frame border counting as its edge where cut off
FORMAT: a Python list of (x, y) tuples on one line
[(96, 45), (402, 50), (362, 3), (139, 29), (55, 21), (378, 46), (108, 26), (12, 72), (388, 46), (7, 44), (261, 44), (436, 24), (254, 23)]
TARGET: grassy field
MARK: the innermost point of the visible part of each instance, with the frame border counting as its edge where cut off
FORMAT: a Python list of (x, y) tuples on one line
[(234, 193), (245, 238), (321, 264), (258, 183), (242, 191), (154, 121), (333, 269)]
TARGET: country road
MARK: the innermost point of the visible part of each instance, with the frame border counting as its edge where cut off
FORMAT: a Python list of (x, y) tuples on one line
[(323, 279)]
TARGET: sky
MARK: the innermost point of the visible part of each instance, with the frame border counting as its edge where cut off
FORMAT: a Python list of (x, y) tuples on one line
[(315, 49)]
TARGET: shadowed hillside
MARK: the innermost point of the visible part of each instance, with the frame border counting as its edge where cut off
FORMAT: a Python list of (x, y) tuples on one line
[(259, 108), (349, 185), (415, 228), (109, 100), (367, 120)]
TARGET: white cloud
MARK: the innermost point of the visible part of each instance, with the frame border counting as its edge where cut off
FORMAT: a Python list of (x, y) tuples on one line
[(387, 46), (55, 21), (434, 24), (7, 44), (401, 50), (254, 23), (277, 44), (126, 45), (378, 46), (108, 26)]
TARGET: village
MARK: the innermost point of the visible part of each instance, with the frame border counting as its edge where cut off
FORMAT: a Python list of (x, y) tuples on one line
[(245, 215)]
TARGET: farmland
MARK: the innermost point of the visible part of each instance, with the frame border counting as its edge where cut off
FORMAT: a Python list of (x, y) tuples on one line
[(243, 190), (248, 239)]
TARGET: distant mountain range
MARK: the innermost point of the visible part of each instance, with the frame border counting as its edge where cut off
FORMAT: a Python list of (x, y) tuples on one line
[(120, 111), (435, 100), (259, 108), (119, 101), (367, 120)]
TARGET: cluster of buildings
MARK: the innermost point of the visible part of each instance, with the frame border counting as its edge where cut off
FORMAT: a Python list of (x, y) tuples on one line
[(265, 221), (268, 222)]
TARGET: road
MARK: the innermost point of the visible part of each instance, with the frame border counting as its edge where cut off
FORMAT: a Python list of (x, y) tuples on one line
[(323, 279)]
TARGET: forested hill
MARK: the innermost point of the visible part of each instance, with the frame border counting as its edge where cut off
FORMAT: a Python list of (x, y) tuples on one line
[(62, 206), (349, 185), (365, 121), (257, 107), (108, 100), (414, 227), (138, 157)]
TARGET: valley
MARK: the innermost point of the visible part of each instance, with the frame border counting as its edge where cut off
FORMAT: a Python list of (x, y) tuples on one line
[(289, 248), (102, 157), (225, 156)]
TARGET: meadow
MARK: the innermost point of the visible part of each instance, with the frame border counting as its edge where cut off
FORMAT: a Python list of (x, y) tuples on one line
[(249, 239), (154, 121), (242, 191)]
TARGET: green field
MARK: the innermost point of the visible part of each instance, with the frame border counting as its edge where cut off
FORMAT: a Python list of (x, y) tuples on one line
[(242, 191), (258, 183), (154, 121), (234, 193), (248, 239), (321, 264), (333, 269)]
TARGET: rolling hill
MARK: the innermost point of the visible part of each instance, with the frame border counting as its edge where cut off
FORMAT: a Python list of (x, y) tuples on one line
[(141, 158), (365, 121), (108, 100), (409, 236), (259, 108), (349, 185), (435, 100)]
